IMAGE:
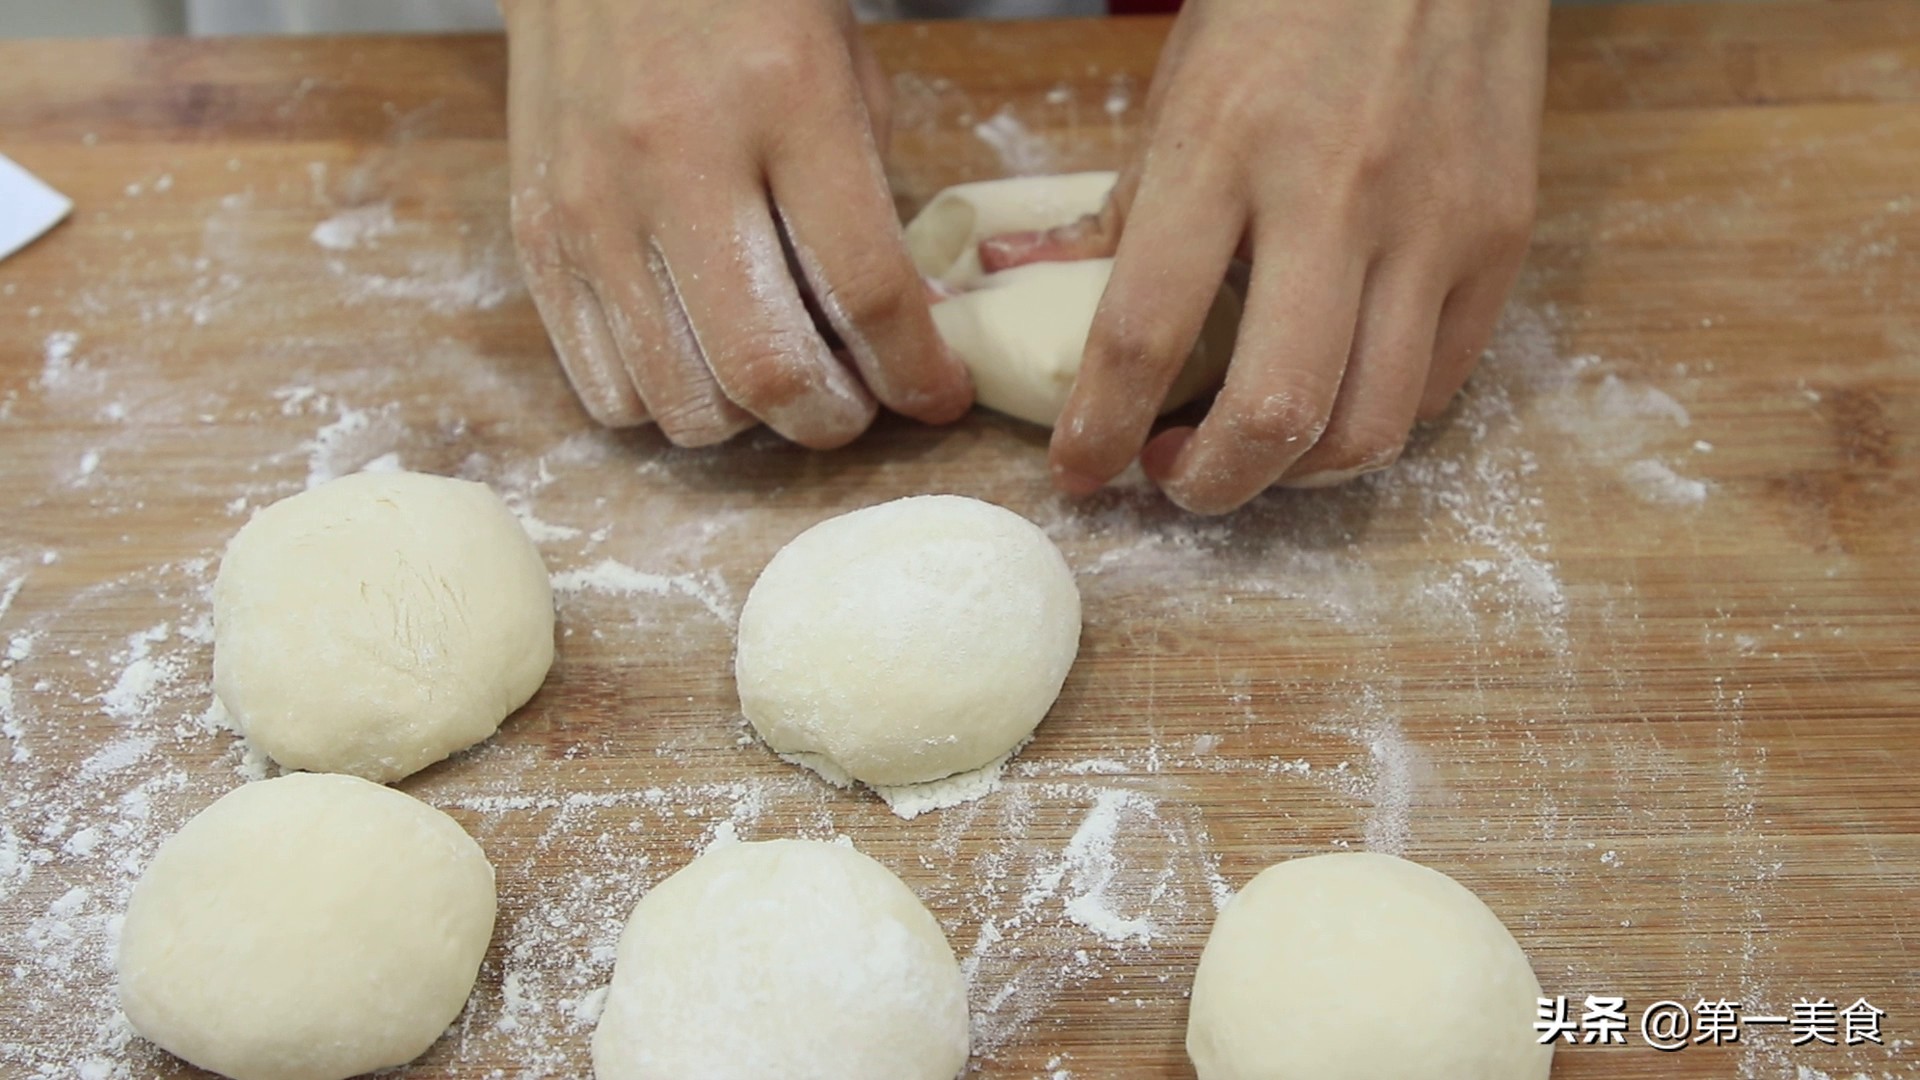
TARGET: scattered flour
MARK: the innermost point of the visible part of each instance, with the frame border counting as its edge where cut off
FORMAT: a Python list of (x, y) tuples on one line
[(1022, 152), (543, 532), (1617, 399), (58, 363), (1092, 866), (443, 284), (10, 727), (10, 590), (358, 227), (1654, 481), (354, 440), (613, 578), (143, 676)]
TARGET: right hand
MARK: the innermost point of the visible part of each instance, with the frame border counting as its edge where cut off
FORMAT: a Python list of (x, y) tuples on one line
[(661, 152)]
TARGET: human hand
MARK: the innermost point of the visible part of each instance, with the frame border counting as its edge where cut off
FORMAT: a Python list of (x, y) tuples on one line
[(1376, 164), (662, 155)]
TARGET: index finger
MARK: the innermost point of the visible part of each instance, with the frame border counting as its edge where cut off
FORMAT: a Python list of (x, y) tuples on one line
[(832, 201), (1180, 234)]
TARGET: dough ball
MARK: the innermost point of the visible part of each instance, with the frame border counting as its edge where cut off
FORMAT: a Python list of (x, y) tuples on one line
[(908, 641), (379, 623), (944, 237), (1362, 967), (312, 927), (1022, 332), (792, 959)]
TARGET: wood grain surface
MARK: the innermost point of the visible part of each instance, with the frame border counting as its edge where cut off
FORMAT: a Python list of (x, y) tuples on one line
[(1627, 643)]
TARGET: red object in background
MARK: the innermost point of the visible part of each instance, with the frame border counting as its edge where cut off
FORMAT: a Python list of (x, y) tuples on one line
[(1142, 7)]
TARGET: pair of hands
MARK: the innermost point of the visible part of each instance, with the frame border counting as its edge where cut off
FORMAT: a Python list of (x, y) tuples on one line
[(698, 187)]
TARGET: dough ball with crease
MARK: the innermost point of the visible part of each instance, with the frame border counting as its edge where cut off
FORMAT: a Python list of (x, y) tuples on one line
[(1360, 966), (908, 641), (790, 959), (1022, 332), (311, 927), (379, 622)]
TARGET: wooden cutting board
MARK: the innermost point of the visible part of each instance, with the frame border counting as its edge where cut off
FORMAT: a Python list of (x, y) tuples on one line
[(1627, 643)]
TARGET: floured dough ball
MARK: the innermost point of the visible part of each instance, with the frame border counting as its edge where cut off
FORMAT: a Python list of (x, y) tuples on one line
[(379, 623), (311, 927), (908, 641), (791, 959), (1022, 332), (1359, 966)]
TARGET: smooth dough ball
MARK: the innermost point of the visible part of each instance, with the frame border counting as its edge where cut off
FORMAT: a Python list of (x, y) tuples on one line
[(1022, 333), (908, 641), (311, 927), (785, 960), (1359, 966), (944, 237), (379, 622)]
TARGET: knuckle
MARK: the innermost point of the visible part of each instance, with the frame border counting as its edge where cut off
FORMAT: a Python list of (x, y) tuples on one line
[(869, 292), (692, 423), (577, 191), (1242, 105), (766, 371), (643, 125), (777, 65), (1374, 160), (1131, 348), (608, 407), (660, 124), (1285, 422)]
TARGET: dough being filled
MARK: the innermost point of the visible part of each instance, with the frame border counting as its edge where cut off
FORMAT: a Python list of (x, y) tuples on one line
[(311, 927), (1022, 332), (944, 237), (379, 622), (908, 641), (1359, 966), (794, 959)]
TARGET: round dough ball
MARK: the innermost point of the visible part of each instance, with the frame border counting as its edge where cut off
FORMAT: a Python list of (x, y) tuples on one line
[(1359, 966), (311, 927), (944, 237), (908, 641), (1022, 333), (379, 622), (792, 959)]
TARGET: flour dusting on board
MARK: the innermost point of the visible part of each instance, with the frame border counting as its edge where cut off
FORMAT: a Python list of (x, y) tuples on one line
[(1096, 852)]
